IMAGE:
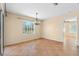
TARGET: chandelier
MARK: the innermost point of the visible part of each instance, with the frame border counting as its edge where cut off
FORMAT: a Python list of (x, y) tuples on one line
[(37, 22)]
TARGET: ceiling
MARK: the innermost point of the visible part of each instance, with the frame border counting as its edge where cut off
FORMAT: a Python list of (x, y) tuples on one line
[(45, 10)]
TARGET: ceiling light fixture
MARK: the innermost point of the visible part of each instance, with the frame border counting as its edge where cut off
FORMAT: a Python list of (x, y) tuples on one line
[(37, 22), (55, 4)]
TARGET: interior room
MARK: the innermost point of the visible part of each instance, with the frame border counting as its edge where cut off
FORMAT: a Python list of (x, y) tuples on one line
[(39, 29)]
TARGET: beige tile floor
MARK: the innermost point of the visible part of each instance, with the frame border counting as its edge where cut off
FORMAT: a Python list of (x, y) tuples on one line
[(40, 47)]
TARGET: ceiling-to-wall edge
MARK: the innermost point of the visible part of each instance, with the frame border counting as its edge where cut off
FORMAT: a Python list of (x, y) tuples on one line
[(20, 16)]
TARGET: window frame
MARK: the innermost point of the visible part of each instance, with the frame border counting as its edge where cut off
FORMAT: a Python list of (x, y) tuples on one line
[(33, 31)]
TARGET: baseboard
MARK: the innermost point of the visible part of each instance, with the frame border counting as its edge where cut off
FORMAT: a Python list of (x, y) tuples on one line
[(22, 42), (30, 41), (54, 40)]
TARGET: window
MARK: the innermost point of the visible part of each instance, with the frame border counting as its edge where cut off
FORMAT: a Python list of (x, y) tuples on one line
[(28, 27), (73, 27)]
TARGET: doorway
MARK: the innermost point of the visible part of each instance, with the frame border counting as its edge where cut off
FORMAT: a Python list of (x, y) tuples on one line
[(70, 33)]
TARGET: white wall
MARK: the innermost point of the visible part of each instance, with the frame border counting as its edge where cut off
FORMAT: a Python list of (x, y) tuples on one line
[(53, 28), (14, 29)]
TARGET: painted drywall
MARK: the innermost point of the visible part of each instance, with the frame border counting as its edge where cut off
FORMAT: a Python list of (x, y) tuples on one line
[(14, 29), (53, 28)]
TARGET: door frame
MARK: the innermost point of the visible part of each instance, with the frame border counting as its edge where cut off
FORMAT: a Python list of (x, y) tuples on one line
[(77, 29)]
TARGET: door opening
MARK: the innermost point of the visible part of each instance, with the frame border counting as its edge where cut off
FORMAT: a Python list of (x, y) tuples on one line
[(70, 33)]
